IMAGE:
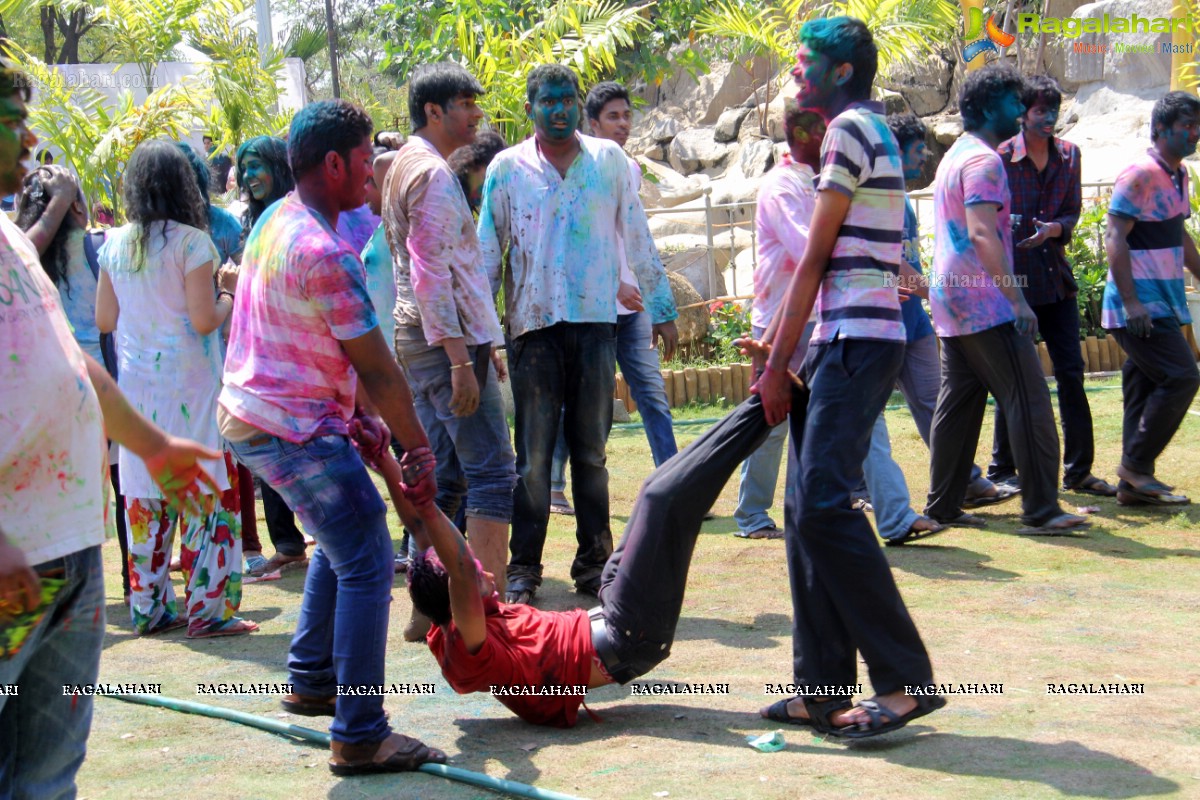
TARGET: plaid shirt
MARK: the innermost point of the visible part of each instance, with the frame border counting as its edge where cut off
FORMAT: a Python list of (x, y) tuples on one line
[(1052, 195)]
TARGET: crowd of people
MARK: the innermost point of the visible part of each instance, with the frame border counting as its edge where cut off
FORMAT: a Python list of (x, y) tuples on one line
[(348, 322)]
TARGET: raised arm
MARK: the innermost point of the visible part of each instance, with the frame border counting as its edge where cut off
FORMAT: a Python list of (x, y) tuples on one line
[(430, 527)]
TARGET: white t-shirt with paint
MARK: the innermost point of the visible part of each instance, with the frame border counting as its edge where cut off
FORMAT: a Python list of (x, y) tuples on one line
[(52, 451)]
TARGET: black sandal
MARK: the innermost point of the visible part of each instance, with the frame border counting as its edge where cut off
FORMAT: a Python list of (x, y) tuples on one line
[(777, 712), (820, 711), (884, 720)]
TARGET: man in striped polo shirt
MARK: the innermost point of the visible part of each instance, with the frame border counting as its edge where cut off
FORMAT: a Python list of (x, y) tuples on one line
[(1144, 304), (985, 324), (843, 596)]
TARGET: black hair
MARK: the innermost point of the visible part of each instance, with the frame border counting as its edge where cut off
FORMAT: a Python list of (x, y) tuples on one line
[(429, 587), (323, 127), (1041, 89), (33, 202), (203, 174), (440, 83), (1169, 108), (983, 89), (601, 95), (14, 81), (907, 128), (845, 40), (476, 155), (161, 187), (273, 153), (549, 73), (45, 157), (797, 118)]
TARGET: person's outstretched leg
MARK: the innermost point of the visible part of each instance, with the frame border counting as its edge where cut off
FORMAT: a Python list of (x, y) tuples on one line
[(644, 580)]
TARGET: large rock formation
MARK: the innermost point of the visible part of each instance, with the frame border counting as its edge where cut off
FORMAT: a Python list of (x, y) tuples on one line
[(696, 150), (701, 100)]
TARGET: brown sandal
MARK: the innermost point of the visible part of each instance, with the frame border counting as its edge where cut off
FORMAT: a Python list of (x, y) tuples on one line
[(396, 753)]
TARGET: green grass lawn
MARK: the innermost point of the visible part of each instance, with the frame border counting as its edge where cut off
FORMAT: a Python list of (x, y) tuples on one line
[(1117, 606)]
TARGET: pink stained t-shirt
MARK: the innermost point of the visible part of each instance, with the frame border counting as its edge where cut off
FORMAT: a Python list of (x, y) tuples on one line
[(302, 291), (963, 296), (786, 200)]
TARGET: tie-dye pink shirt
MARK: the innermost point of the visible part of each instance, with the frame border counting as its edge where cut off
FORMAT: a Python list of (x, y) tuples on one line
[(963, 296), (302, 291)]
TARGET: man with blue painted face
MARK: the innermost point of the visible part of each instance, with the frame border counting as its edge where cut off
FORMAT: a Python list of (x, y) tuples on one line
[(1045, 180), (562, 203), (1144, 305), (985, 324), (844, 598)]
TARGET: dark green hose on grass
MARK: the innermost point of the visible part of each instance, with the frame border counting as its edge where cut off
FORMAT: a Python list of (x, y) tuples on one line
[(318, 737)]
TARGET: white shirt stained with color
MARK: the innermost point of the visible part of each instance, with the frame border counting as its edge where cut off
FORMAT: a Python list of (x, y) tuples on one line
[(562, 236), (442, 286), (786, 200), (168, 371), (52, 454)]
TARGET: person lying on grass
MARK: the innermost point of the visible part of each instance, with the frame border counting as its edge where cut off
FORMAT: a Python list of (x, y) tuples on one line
[(539, 664)]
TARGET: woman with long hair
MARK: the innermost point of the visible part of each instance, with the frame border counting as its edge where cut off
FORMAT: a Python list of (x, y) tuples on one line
[(263, 176), (52, 209), (159, 270)]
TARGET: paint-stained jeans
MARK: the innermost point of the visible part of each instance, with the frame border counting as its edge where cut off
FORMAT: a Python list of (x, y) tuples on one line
[(568, 366), (43, 734), (637, 356), (211, 553), (475, 462), (341, 635)]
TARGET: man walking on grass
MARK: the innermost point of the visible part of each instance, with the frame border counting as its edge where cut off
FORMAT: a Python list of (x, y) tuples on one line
[(1045, 180), (1148, 248), (844, 598), (985, 324)]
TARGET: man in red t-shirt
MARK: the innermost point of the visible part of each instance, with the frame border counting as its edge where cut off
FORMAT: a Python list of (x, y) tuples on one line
[(540, 663)]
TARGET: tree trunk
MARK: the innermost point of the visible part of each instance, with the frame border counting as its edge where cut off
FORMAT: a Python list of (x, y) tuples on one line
[(72, 30), (49, 48), (1040, 67), (1004, 26), (331, 33)]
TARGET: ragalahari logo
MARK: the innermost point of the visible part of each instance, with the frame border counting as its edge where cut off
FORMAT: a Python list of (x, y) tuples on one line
[(980, 38)]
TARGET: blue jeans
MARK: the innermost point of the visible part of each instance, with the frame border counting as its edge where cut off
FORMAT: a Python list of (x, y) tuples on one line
[(760, 472), (885, 481), (475, 459), (569, 366), (43, 734), (341, 636), (920, 377), (638, 359)]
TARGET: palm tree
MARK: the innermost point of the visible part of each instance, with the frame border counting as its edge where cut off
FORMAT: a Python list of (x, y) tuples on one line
[(905, 31), (500, 47)]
